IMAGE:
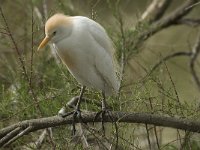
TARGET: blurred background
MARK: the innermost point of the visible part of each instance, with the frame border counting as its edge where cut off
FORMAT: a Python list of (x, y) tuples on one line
[(43, 85)]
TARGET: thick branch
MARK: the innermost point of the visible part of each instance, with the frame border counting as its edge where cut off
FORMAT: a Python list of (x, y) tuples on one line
[(155, 10), (173, 17), (189, 22), (167, 21), (42, 123)]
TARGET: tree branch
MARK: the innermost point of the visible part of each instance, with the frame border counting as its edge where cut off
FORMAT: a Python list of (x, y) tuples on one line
[(189, 21), (195, 53), (167, 21), (9, 134), (155, 10), (176, 15), (166, 58), (8, 32)]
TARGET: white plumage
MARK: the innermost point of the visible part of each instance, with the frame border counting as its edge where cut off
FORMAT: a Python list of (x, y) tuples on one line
[(84, 46)]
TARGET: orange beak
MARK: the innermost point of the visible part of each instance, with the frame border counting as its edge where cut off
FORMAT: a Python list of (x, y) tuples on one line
[(44, 42)]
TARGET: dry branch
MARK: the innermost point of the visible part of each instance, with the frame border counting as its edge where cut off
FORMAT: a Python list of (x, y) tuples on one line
[(15, 131), (165, 22), (9, 134), (8, 32), (195, 53), (189, 21), (166, 58), (192, 55), (155, 10)]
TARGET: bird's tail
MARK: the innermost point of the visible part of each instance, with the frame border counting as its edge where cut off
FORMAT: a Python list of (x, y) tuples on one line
[(113, 87)]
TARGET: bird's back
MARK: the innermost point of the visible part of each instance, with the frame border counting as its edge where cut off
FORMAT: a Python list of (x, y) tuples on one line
[(94, 54)]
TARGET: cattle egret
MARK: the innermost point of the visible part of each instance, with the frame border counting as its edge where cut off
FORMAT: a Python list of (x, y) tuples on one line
[(85, 48)]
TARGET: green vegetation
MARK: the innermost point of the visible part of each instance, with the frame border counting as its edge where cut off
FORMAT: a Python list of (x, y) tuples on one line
[(46, 85)]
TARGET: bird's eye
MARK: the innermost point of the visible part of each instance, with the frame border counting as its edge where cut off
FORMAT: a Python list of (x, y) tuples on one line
[(54, 33)]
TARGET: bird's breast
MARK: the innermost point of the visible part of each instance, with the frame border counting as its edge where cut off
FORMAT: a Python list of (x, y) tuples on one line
[(66, 56), (68, 60)]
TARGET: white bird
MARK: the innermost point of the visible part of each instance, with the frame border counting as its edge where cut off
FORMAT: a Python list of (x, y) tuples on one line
[(85, 48)]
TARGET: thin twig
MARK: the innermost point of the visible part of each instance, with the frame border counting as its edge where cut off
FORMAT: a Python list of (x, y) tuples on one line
[(188, 21), (156, 136), (193, 5), (195, 53), (15, 45), (123, 61), (40, 140), (83, 137), (186, 141), (4, 33), (148, 136), (32, 45), (96, 137), (154, 127), (166, 58), (21, 61), (132, 144), (175, 91)]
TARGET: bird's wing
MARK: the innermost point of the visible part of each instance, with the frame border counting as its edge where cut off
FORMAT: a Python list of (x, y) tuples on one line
[(99, 34), (105, 62), (101, 37)]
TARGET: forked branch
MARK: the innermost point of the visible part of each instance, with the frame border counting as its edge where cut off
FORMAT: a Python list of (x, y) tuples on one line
[(15, 131)]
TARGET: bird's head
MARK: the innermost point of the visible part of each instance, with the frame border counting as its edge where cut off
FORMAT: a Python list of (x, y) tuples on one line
[(57, 28)]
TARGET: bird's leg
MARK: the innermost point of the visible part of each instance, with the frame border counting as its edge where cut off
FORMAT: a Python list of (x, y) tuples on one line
[(104, 104), (104, 110), (77, 111), (73, 103)]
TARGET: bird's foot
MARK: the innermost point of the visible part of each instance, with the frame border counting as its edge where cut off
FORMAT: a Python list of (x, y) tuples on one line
[(102, 114), (75, 114)]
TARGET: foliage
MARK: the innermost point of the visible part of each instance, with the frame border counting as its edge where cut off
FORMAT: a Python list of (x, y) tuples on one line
[(50, 86)]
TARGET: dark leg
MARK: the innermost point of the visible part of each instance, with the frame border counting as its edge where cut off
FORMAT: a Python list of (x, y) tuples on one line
[(76, 103), (77, 111), (104, 105), (80, 98), (103, 111)]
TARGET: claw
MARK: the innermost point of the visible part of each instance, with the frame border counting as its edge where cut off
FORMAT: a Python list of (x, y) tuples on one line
[(75, 114), (102, 115), (96, 116)]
